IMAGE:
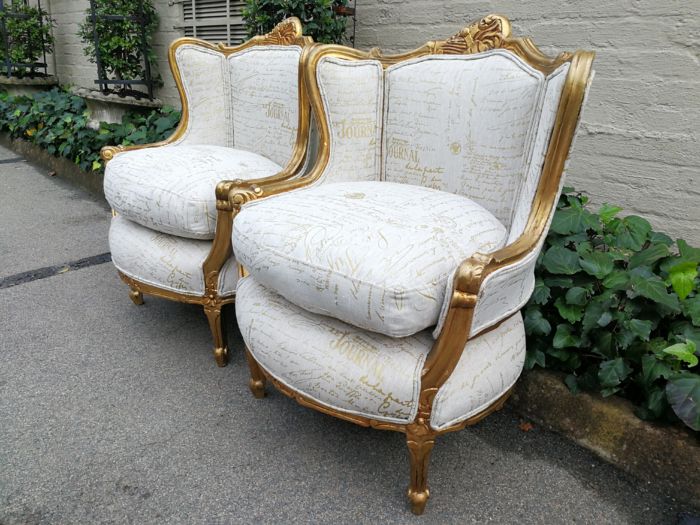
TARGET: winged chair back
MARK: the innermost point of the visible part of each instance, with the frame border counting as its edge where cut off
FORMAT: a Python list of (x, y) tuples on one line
[(471, 115), (228, 99)]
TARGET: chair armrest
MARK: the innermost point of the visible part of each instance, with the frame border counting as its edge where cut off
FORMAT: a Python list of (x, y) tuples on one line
[(107, 153)]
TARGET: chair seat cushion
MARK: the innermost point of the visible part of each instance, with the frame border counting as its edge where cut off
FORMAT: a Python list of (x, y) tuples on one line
[(376, 255), (171, 189), (368, 374), (166, 261)]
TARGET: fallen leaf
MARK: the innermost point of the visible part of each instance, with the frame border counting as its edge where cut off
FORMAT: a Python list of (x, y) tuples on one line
[(526, 426)]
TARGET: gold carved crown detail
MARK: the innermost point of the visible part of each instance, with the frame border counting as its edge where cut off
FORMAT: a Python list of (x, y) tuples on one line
[(285, 33), (491, 32)]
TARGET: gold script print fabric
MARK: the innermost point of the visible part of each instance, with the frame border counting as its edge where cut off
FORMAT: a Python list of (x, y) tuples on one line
[(248, 100), (463, 124), (373, 254), (368, 374), (166, 261), (171, 188)]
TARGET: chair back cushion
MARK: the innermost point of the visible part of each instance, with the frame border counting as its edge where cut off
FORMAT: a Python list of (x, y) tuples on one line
[(248, 99), (465, 124), (476, 125)]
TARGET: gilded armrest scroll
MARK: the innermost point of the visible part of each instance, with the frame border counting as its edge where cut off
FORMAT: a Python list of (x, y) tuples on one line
[(107, 153), (454, 335)]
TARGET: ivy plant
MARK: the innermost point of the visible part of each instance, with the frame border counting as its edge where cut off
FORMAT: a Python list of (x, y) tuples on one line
[(616, 306), (120, 41), (28, 37), (320, 18), (58, 122)]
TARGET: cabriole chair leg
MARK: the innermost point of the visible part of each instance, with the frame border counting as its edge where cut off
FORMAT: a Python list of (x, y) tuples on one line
[(420, 440), (135, 296), (215, 316), (257, 377)]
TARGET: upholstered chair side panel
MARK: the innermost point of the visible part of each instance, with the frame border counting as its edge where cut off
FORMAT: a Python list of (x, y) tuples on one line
[(336, 364), (206, 87), (490, 364), (352, 93), (165, 261), (506, 290), (462, 124), (264, 96), (526, 193)]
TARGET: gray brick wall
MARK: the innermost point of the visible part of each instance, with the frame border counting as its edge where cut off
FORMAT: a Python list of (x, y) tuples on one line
[(639, 142)]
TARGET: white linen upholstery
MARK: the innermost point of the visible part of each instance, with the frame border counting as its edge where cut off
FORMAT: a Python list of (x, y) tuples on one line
[(205, 82), (490, 364), (528, 187), (352, 93), (463, 124), (171, 188), (248, 100), (264, 93), (368, 374), (373, 254), (166, 261), (334, 363), (476, 125)]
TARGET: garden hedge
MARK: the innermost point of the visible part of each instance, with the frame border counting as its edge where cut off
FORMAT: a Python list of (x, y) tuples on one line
[(58, 122)]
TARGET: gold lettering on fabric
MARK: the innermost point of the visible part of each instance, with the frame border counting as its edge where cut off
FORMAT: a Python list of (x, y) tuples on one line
[(359, 352), (355, 128)]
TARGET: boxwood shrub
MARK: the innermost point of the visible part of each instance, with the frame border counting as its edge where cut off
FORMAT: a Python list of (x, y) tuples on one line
[(616, 307), (57, 121)]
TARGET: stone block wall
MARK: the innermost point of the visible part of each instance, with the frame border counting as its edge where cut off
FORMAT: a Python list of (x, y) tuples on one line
[(71, 65), (639, 144)]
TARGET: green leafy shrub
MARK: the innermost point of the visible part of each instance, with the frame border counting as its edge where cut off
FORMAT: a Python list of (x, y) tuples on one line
[(57, 121), (28, 38), (319, 17), (120, 41), (617, 306)]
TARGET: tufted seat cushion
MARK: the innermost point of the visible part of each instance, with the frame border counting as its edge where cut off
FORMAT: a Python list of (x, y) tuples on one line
[(368, 374), (171, 189), (376, 255)]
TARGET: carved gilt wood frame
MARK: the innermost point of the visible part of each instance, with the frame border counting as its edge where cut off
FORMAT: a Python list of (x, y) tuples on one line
[(286, 33), (492, 32)]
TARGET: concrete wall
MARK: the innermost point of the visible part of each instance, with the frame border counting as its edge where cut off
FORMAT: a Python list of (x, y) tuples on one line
[(639, 142), (72, 66)]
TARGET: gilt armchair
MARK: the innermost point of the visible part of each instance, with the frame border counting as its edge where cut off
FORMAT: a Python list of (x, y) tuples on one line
[(245, 115), (384, 287)]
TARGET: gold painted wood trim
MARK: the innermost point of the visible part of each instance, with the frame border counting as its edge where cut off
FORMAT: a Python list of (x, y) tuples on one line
[(155, 291), (363, 421)]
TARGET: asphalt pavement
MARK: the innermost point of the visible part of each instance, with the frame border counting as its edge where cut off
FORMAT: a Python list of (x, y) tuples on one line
[(116, 413)]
